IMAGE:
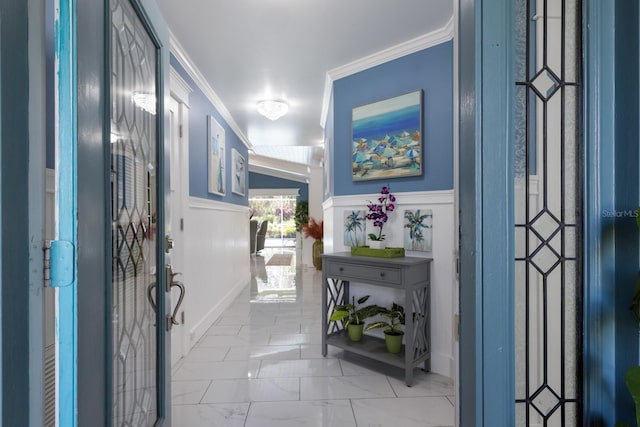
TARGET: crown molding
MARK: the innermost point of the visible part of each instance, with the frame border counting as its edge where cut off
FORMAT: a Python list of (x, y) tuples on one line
[(257, 192), (179, 87), (278, 168), (185, 61), (417, 44)]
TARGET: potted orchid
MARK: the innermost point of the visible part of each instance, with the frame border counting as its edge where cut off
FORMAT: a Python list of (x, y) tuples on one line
[(379, 214)]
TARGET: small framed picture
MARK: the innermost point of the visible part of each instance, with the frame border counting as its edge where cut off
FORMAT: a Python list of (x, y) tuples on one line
[(216, 147), (239, 164)]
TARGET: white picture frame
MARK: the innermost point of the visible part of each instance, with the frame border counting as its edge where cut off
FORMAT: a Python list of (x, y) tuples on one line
[(216, 157), (238, 173)]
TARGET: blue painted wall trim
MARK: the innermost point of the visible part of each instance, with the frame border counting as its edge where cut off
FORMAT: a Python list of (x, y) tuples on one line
[(199, 108), (430, 70), (258, 180)]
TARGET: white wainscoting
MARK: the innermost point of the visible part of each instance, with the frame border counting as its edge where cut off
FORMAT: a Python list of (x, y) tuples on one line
[(443, 280), (216, 261)]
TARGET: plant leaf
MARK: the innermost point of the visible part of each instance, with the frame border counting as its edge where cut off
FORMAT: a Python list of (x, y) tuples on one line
[(635, 299), (338, 315), (376, 325), (363, 299), (632, 379)]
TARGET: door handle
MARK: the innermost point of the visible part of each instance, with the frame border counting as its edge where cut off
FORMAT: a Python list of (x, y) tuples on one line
[(171, 283), (150, 289), (180, 286)]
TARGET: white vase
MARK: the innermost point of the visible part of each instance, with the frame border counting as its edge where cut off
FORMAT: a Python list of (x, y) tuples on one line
[(377, 244)]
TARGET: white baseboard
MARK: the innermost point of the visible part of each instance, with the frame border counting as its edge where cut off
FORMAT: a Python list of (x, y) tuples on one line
[(201, 327), (441, 364)]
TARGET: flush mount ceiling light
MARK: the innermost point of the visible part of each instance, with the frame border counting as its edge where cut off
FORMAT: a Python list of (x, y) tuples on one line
[(272, 110)]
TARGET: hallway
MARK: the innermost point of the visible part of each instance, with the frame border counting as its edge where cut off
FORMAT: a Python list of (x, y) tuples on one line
[(260, 365)]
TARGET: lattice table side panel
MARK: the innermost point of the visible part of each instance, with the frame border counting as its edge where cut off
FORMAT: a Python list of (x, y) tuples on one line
[(421, 324), (335, 296)]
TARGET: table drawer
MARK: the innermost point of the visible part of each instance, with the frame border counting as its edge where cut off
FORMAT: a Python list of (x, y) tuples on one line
[(364, 273)]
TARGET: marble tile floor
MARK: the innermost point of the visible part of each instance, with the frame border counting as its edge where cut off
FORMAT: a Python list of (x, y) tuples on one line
[(260, 365)]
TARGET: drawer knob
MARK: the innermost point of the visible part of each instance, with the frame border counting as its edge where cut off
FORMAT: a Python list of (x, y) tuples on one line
[(382, 274), (341, 269)]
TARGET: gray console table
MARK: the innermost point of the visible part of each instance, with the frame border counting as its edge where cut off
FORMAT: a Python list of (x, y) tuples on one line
[(410, 274)]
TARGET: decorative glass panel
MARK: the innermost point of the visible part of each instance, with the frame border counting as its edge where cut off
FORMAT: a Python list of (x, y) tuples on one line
[(133, 201), (548, 281)]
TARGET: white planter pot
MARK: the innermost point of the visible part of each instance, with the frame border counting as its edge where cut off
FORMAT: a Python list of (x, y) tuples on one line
[(377, 244)]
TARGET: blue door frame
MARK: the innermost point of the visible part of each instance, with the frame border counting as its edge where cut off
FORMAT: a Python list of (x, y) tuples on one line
[(486, 220), (611, 193)]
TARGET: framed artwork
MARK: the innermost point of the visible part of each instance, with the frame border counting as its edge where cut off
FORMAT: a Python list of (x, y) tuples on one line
[(355, 228), (418, 230), (216, 146), (387, 138), (239, 184)]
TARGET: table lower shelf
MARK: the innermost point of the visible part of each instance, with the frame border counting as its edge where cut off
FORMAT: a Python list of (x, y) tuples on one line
[(373, 348)]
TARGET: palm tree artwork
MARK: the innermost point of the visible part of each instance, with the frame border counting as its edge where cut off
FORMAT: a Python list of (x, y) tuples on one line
[(354, 228), (418, 230)]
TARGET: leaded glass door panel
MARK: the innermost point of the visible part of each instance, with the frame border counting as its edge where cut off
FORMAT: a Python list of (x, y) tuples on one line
[(547, 188), (137, 359)]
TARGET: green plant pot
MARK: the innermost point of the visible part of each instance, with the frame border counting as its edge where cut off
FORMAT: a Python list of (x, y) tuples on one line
[(355, 331), (393, 342), (318, 249)]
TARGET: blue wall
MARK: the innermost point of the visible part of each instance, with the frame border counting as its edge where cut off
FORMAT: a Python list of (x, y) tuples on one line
[(258, 180), (199, 109), (430, 70)]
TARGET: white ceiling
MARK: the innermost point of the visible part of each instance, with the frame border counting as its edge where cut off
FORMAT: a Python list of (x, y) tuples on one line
[(249, 50)]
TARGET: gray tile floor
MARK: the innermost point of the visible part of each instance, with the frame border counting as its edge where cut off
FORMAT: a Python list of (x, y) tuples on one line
[(260, 365)]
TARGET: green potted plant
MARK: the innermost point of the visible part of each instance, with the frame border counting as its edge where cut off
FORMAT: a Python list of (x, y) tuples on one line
[(354, 316), (301, 215), (392, 335)]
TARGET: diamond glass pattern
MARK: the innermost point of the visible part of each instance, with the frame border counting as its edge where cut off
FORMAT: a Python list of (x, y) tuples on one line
[(545, 84), (133, 202), (545, 401)]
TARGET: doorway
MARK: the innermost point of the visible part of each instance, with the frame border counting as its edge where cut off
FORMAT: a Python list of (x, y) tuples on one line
[(278, 211)]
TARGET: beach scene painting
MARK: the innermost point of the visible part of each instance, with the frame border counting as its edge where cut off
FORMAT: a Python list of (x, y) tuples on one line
[(387, 138)]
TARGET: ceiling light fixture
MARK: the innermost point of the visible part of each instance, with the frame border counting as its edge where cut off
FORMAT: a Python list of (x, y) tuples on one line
[(272, 109)]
